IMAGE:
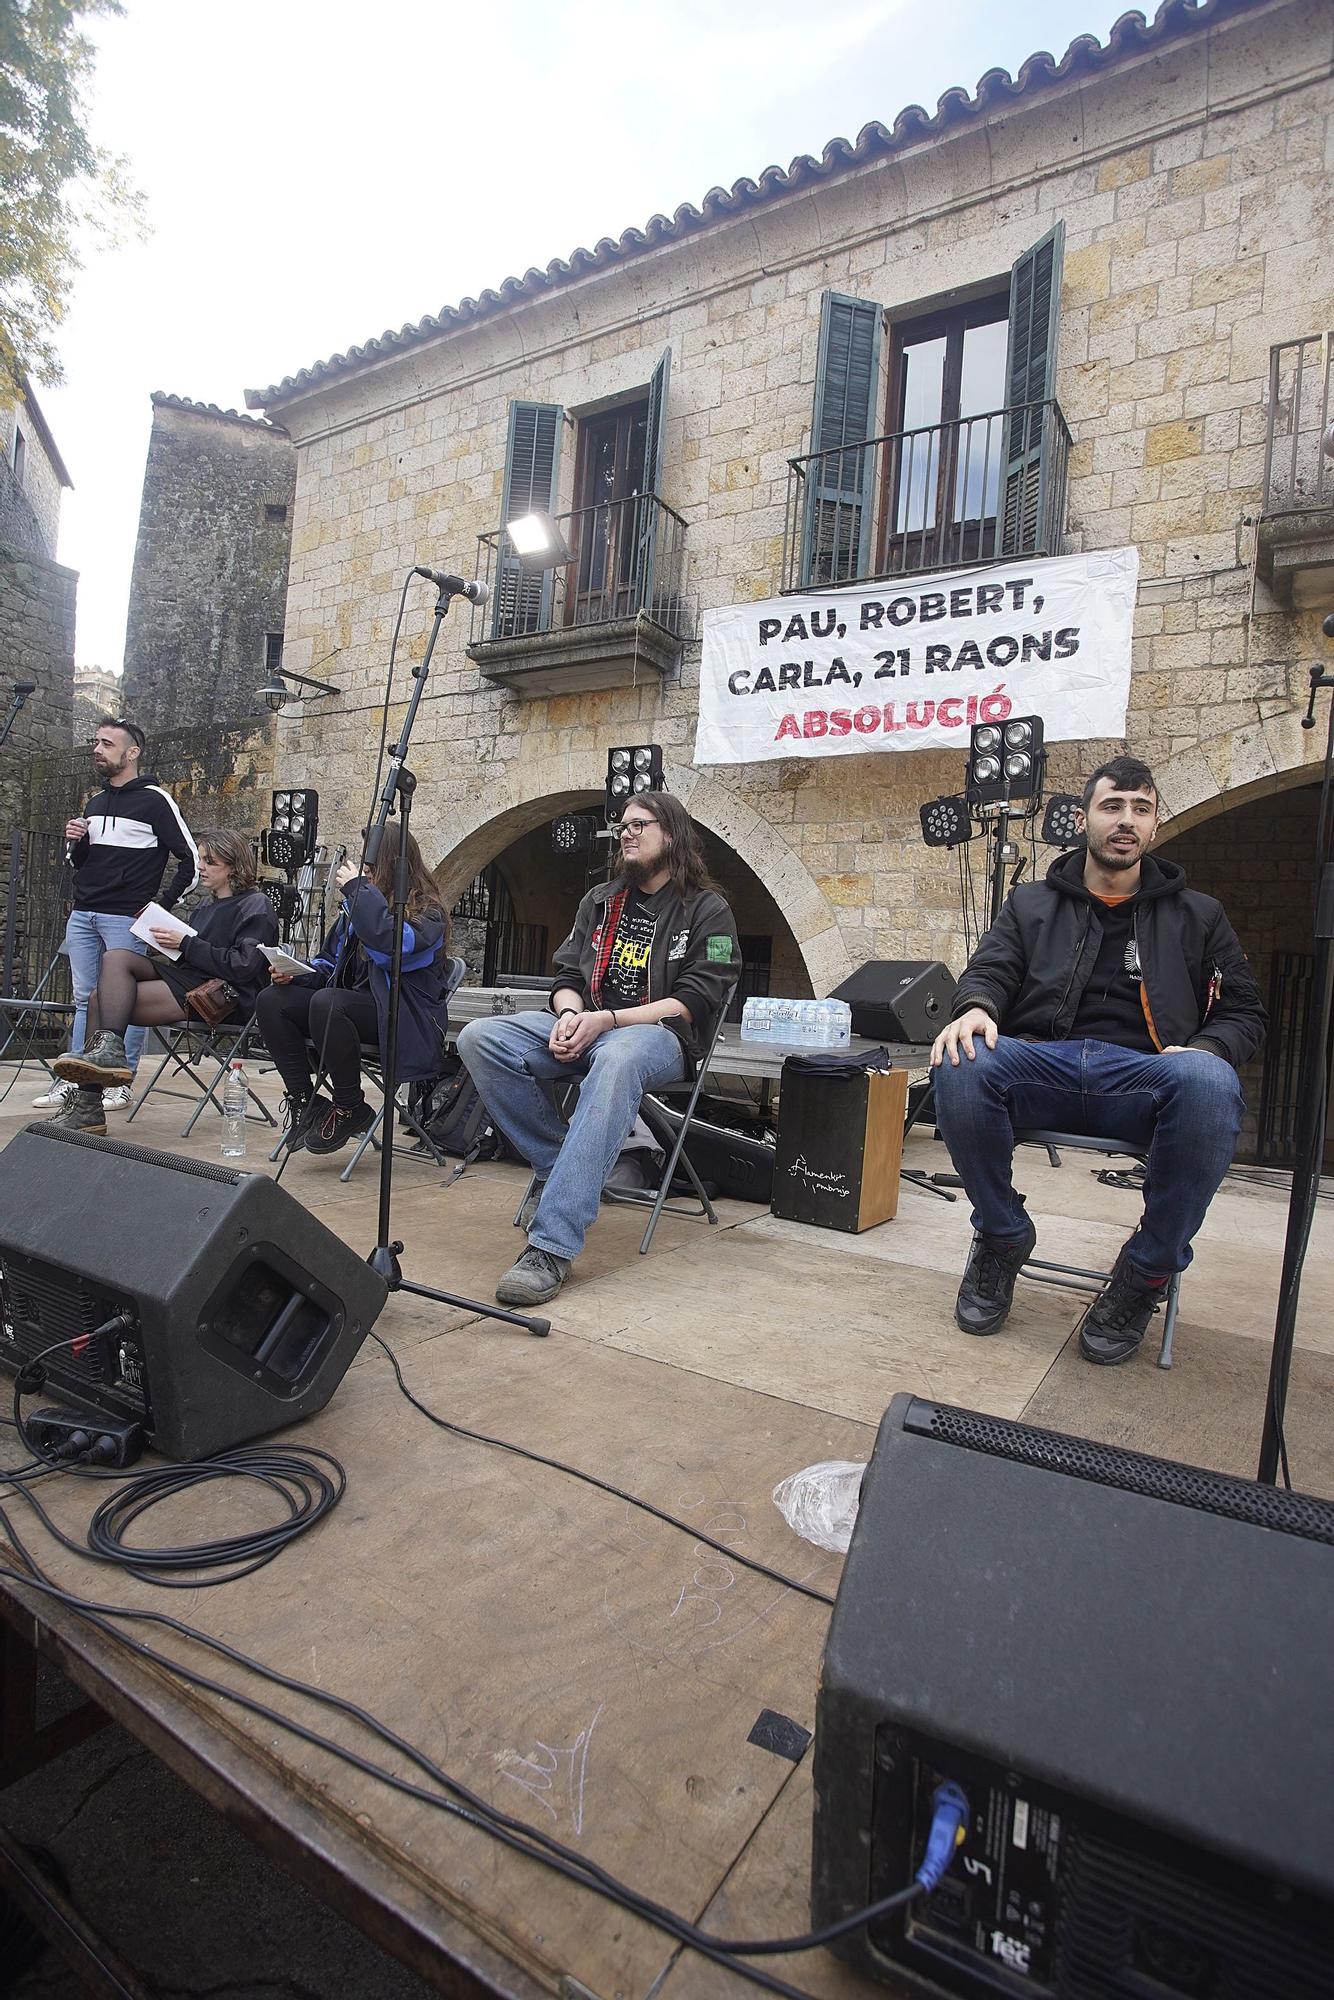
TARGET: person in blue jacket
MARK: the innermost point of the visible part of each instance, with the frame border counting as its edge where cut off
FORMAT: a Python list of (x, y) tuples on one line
[(345, 1001)]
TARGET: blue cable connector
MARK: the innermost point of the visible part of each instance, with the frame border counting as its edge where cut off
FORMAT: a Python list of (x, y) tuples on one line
[(949, 1817)]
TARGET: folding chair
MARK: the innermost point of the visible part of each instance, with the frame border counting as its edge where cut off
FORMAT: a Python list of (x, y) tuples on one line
[(227, 1043), (1074, 1277), (672, 1142), (372, 1069)]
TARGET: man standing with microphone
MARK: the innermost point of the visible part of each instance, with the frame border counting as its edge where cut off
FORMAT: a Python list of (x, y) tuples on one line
[(118, 848)]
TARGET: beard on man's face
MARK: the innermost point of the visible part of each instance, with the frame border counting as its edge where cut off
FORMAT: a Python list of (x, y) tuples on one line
[(637, 872)]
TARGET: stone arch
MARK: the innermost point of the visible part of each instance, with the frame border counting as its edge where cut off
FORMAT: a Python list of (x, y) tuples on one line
[(531, 790), (1271, 754)]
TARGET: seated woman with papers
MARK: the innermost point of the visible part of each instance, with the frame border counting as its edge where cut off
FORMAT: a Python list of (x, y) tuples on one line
[(212, 970), (344, 1002)]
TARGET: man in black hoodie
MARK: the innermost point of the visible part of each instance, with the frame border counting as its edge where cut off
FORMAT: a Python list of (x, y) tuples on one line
[(1109, 1000), (120, 845)]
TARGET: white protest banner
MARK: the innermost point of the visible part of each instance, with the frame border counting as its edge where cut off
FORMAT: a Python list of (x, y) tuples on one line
[(912, 663)]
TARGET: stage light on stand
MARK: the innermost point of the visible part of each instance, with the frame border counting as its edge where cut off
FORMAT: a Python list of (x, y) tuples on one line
[(295, 817), (1058, 822), (631, 768), (946, 821), (1005, 761), (574, 833)]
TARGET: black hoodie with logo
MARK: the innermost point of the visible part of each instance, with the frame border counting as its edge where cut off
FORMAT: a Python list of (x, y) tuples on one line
[(1032, 970), (133, 831)]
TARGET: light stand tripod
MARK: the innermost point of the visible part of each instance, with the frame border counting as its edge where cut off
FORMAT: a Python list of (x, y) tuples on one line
[(399, 786), (1313, 1087)]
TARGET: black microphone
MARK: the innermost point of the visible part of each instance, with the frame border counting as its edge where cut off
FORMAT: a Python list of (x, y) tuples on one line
[(70, 845), (24, 688), (457, 586)]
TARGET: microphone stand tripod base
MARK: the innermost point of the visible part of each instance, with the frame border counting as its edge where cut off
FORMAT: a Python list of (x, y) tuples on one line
[(383, 1260)]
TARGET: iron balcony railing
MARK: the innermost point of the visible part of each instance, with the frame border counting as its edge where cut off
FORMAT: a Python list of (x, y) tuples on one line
[(976, 489), (628, 557), (1298, 477)]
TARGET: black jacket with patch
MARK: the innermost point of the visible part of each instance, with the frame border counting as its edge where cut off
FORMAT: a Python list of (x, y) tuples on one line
[(1030, 970), (695, 959), (133, 831)]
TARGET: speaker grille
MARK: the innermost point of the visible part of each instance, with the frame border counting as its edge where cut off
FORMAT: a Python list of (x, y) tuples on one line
[(149, 1156), (40, 1305), (1130, 1471)]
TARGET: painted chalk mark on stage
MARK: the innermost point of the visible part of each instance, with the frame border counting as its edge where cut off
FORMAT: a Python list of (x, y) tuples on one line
[(555, 1778)]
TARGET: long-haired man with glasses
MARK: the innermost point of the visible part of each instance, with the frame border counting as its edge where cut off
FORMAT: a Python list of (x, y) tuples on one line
[(638, 986), (120, 845)]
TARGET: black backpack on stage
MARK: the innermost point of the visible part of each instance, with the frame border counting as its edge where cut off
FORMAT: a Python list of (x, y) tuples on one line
[(450, 1109)]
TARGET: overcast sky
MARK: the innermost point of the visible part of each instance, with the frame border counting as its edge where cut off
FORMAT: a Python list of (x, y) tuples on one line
[(316, 171)]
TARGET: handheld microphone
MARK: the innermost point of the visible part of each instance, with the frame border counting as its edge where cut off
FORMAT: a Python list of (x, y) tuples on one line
[(457, 586), (70, 845)]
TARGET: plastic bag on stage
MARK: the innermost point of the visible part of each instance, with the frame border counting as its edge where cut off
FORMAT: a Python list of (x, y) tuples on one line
[(820, 1503)]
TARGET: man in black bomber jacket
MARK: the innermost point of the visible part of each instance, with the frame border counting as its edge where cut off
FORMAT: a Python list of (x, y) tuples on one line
[(1109, 1000)]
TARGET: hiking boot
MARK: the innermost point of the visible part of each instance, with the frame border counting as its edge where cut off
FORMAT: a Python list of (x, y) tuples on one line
[(59, 1097), (341, 1122), (523, 1220), (983, 1303), (1114, 1326), (537, 1277), (296, 1114), (101, 1064), (84, 1114)]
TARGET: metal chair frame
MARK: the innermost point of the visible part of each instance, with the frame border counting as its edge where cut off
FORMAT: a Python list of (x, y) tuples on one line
[(1075, 1277), (656, 1200), (226, 1043)]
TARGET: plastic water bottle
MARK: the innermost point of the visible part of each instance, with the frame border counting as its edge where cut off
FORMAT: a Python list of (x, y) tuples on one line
[(840, 1024), (233, 1112), (755, 1019)]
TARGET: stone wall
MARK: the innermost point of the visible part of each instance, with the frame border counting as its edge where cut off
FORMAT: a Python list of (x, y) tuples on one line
[(37, 603), (30, 510), (210, 566), (1194, 189), (217, 776)]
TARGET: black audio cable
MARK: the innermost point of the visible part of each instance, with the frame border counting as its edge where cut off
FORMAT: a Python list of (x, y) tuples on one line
[(949, 1809), (603, 1485)]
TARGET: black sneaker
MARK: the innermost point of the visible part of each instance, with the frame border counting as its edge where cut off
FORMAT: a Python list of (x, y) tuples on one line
[(1114, 1326), (102, 1065), (983, 1303), (297, 1113), (340, 1123)]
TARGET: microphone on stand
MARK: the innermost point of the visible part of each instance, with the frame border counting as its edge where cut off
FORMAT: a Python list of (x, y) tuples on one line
[(457, 586)]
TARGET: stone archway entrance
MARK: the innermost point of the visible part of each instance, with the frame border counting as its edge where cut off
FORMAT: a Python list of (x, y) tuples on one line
[(1258, 858), (521, 898)]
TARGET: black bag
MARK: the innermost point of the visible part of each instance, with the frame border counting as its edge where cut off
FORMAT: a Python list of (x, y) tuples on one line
[(450, 1110)]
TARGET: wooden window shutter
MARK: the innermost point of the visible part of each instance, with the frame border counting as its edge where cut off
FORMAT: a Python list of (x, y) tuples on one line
[(836, 521), (1027, 526), (646, 510), (532, 464)]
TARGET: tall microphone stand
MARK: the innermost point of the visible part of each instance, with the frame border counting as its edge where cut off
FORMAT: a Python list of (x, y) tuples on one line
[(399, 786), (21, 691), (1311, 1108)]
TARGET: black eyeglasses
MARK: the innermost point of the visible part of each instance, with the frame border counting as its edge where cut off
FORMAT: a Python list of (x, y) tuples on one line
[(636, 825)]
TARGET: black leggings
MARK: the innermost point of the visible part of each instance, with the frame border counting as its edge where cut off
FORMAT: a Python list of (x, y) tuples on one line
[(335, 1018)]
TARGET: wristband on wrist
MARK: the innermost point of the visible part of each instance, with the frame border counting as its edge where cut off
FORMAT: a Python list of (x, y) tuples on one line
[(612, 1012), (566, 1010)]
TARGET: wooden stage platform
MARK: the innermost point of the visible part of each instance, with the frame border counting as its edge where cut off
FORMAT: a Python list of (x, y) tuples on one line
[(594, 1671)]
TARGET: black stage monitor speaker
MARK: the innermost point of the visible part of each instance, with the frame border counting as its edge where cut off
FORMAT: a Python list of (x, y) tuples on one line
[(237, 1312), (898, 999), (1125, 1663)]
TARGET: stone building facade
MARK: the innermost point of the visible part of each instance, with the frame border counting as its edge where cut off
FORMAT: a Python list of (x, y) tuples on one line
[(1177, 183), (37, 601), (209, 581)]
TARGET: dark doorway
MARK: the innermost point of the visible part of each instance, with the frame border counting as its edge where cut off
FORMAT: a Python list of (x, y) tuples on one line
[(609, 477)]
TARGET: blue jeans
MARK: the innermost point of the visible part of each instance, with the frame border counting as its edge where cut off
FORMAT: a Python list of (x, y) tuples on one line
[(87, 935), (1185, 1110), (508, 1059)]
